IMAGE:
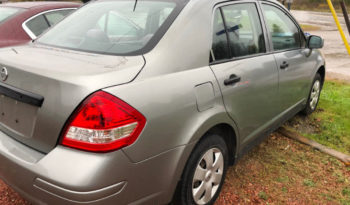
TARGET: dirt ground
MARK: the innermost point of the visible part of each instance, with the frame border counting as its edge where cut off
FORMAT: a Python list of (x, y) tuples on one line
[(10, 197), (283, 171)]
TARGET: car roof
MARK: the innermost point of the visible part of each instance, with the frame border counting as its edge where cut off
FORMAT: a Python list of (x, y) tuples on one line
[(33, 4)]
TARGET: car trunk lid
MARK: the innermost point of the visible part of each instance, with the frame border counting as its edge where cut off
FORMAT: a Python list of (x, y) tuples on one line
[(44, 85)]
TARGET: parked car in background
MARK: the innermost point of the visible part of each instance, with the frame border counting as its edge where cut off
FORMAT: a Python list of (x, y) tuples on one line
[(25, 21), (145, 102)]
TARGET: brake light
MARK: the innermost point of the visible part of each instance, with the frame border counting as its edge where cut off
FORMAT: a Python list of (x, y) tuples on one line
[(103, 123)]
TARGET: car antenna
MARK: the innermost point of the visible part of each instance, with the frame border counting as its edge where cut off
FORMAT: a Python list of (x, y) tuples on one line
[(135, 5)]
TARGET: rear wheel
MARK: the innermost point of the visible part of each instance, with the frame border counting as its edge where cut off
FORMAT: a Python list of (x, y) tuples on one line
[(314, 95), (205, 171)]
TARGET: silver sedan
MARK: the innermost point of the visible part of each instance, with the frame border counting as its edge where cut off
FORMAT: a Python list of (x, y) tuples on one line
[(150, 101)]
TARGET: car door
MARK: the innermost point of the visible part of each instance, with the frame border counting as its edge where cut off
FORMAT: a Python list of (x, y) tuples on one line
[(246, 73), (289, 46)]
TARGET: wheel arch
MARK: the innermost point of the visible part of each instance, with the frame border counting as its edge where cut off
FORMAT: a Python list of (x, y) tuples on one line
[(229, 135), (228, 131), (322, 71)]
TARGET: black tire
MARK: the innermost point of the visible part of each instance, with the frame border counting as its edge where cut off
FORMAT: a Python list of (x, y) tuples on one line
[(308, 108), (209, 143)]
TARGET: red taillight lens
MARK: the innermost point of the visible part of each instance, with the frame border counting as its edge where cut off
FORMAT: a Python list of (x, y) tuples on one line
[(103, 123)]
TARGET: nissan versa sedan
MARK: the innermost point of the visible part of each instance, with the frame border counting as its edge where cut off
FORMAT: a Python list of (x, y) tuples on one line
[(25, 21), (150, 101)]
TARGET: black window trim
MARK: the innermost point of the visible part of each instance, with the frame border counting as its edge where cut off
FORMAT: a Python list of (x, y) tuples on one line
[(226, 32), (263, 28)]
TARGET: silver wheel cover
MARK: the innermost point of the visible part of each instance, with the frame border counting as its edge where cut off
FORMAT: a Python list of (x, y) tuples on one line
[(315, 94), (207, 176)]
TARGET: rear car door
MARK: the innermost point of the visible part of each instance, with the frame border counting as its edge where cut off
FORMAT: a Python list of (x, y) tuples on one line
[(246, 73), (289, 46)]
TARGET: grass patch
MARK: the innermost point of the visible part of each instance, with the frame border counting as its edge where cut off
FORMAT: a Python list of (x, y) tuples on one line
[(333, 117), (284, 179), (330, 123), (309, 182), (284, 189), (307, 27), (263, 195), (346, 192)]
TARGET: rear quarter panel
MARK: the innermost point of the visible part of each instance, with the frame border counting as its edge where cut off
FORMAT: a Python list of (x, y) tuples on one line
[(169, 104)]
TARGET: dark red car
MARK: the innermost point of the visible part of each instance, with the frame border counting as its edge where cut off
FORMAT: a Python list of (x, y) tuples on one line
[(22, 22)]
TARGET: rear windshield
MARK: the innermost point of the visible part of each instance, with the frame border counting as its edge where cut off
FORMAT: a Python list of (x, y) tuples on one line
[(7, 12), (113, 27)]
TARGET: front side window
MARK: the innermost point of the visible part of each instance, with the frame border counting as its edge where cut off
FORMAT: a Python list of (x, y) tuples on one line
[(284, 33), (7, 12), (111, 27), (243, 25)]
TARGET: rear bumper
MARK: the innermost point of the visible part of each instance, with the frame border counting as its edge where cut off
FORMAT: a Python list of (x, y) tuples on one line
[(68, 176)]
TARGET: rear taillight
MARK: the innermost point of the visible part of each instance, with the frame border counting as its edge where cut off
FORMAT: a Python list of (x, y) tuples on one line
[(103, 123)]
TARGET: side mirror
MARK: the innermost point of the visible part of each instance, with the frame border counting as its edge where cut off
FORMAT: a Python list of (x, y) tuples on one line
[(315, 42)]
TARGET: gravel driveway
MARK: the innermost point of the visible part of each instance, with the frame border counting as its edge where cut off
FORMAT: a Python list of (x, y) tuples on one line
[(10, 197), (337, 58)]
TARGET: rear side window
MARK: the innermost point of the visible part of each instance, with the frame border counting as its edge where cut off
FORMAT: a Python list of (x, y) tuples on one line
[(7, 12), (54, 17), (244, 28), (239, 27), (38, 25), (284, 33)]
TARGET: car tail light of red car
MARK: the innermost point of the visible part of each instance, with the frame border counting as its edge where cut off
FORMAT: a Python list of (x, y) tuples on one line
[(103, 123)]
